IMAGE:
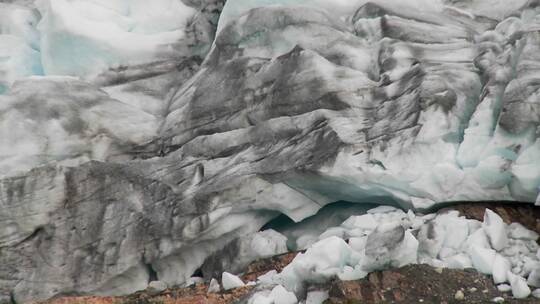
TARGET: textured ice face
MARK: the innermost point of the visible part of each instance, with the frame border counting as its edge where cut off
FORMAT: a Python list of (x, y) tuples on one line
[(84, 38), (166, 159), (19, 44)]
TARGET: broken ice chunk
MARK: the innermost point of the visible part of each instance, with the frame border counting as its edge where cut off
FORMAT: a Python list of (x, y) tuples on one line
[(457, 232), (358, 243), (458, 261), (482, 258), (262, 297), (349, 273), (518, 231), (230, 281), (500, 267), (214, 286), (316, 297), (534, 278), (495, 229), (390, 246), (365, 222), (520, 290), (431, 238), (267, 278), (323, 260), (280, 295), (333, 231)]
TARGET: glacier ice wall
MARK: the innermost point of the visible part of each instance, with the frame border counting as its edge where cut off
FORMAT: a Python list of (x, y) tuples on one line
[(139, 143)]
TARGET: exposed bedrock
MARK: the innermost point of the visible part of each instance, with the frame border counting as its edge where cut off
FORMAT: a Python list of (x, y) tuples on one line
[(147, 169)]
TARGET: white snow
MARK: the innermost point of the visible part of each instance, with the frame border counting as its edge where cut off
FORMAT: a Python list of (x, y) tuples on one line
[(230, 281)]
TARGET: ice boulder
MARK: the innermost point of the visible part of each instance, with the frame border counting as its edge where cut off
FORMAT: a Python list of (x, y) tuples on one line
[(323, 260), (389, 246), (268, 278), (316, 297), (458, 261), (431, 238), (478, 238), (495, 229), (268, 243), (230, 281), (214, 287), (482, 258), (262, 297), (280, 295), (518, 231), (520, 290), (501, 266), (534, 278)]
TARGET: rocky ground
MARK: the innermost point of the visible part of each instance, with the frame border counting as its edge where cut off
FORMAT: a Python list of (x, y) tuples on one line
[(410, 284)]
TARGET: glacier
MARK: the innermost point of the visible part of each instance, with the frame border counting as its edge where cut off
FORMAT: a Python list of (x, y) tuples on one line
[(139, 139)]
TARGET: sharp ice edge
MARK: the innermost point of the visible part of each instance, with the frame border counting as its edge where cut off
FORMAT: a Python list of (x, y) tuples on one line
[(364, 245)]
